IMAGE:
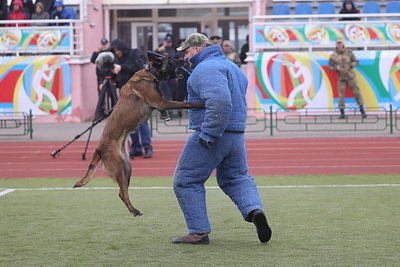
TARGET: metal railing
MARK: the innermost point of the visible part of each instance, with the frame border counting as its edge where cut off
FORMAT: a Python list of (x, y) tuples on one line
[(379, 119), (16, 124)]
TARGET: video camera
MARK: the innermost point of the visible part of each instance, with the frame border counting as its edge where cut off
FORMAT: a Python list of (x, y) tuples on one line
[(105, 62)]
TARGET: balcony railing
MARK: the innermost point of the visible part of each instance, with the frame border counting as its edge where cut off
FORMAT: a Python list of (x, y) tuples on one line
[(66, 39)]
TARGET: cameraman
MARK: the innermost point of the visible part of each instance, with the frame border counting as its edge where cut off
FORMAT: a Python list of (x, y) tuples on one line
[(127, 61)]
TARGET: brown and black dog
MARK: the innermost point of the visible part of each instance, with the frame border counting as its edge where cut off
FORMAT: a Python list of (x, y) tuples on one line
[(138, 98)]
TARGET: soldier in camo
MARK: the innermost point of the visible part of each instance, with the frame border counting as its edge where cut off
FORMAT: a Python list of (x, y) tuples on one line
[(343, 61)]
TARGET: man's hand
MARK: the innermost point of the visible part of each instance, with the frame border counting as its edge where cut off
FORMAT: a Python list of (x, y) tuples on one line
[(116, 69), (204, 143)]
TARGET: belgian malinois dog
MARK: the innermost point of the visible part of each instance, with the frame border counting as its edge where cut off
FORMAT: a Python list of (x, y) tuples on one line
[(138, 98)]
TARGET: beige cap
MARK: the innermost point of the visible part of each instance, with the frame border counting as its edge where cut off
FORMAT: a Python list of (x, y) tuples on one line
[(195, 39), (340, 39)]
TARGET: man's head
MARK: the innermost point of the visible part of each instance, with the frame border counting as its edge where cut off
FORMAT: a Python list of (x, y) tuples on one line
[(340, 42), (167, 41), (119, 48), (227, 46), (59, 5), (215, 40), (193, 44)]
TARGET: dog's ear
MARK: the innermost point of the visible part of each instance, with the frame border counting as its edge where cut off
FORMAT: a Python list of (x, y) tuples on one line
[(155, 57)]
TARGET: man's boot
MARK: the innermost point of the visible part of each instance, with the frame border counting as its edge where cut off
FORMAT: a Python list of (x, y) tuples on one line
[(148, 152), (364, 115), (342, 116)]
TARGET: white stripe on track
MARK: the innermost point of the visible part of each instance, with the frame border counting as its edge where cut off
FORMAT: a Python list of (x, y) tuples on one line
[(6, 191)]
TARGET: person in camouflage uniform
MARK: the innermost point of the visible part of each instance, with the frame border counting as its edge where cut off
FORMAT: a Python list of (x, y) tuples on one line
[(343, 61), (230, 54)]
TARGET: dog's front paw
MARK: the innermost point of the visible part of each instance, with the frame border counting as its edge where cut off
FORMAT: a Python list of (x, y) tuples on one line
[(198, 104)]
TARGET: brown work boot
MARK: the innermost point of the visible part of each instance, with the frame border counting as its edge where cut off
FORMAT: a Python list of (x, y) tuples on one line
[(200, 239)]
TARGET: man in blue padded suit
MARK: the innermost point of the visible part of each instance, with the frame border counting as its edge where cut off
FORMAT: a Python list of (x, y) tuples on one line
[(217, 143)]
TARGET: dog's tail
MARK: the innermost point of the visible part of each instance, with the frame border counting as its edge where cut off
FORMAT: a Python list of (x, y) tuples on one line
[(91, 170)]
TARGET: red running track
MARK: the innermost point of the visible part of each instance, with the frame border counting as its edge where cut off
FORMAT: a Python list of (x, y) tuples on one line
[(265, 157)]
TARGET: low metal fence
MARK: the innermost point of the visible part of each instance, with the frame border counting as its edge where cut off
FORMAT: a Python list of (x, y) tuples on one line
[(379, 119), (16, 124)]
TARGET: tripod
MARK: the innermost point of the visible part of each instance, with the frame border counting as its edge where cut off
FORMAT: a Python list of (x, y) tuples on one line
[(107, 99)]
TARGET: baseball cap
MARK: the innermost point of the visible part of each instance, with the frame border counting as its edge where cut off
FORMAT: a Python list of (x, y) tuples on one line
[(168, 38), (104, 41), (340, 39), (195, 39)]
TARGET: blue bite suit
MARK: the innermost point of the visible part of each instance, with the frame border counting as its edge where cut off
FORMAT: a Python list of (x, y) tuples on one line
[(221, 85)]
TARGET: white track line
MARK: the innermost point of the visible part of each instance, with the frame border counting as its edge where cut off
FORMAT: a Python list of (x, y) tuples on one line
[(6, 191)]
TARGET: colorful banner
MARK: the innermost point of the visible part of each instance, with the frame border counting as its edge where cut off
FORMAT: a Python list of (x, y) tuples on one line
[(37, 83), (34, 40), (294, 81), (325, 34)]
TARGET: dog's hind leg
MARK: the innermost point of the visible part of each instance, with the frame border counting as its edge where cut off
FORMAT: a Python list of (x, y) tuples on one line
[(91, 170), (124, 195), (123, 182)]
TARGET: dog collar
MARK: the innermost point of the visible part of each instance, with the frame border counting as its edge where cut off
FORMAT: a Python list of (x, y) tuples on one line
[(156, 76)]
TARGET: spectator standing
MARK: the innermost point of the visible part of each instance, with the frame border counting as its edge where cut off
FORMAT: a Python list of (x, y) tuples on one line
[(141, 141), (218, 142), (3, 10), (60, 13), (343, 62), (167, 87), (126, 63), (244, 50), (40, 13), (17, 14), (99, 73), (349, 8), (48, 5), (167, 50), (230, 54), (181, 92)]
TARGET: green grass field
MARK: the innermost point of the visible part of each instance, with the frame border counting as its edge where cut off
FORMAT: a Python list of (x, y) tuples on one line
[(313, 224)]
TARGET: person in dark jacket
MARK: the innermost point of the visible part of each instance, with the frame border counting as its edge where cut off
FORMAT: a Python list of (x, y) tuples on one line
[(3, 9), (349, 8), (244, 50), (127, 61)]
